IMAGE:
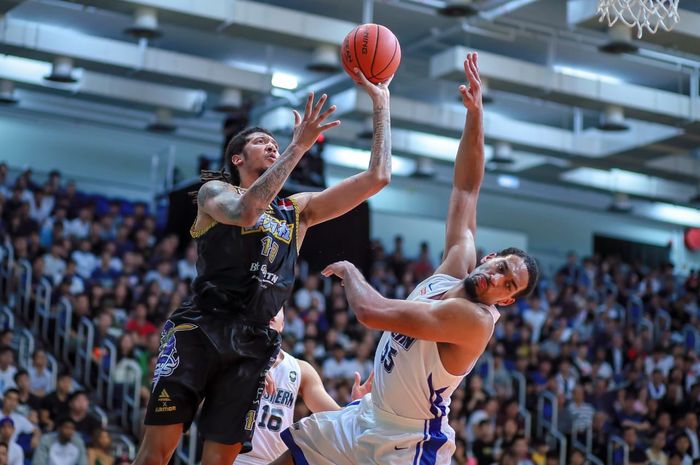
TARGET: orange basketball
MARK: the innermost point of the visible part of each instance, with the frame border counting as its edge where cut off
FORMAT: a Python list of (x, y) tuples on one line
[(373, 49)]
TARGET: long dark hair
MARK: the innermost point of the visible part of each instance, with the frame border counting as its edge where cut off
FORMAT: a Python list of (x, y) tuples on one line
[(229, 173)]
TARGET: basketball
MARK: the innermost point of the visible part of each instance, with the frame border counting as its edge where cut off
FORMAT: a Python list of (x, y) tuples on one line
[(372, 48)]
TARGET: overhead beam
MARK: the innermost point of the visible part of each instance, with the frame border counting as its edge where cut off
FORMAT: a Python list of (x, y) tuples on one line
[(270, 23), (523, 77), (139, 93), (43, 42), (449, 120)]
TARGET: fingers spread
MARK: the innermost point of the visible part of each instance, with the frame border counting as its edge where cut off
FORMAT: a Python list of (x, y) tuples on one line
[(297, 118)]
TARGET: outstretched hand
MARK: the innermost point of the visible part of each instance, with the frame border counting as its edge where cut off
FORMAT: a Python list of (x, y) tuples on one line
[(338, 268), (471, 95), (307, 128), (377, 92), (360, 390)]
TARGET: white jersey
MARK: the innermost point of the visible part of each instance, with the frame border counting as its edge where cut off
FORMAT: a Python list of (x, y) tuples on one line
[(276, 414), (410, 380)]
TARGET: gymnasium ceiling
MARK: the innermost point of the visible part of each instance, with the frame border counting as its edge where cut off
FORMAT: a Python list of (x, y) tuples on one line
[(548, 81)]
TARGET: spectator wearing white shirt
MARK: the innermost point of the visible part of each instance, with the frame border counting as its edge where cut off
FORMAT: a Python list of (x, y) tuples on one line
[(85, 260), (566, 379), (64, 447), (187, 267), (581, 412), (80, 226), (293, 324), (40, 378), (535, 316), (656, 386), (7, 368), (54, 264), (15, 454), (337, 366), (162, 276), (41, 205), (304, 296), (10, 401), (691, 430)]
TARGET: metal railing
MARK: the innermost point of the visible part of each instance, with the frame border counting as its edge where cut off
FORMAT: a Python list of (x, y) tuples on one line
[(7, 260), (616, 442), (42, 308), (7, 318), (521, 385), (131, 402), (25, 348), (123, 445), (24, 287), (62, 331), (105, 381), (547, 398), (558, 437), (83, 350), (99, 411), (186, 452)]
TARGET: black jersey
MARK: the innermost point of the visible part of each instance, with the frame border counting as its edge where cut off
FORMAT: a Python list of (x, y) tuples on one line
[(247, 272)]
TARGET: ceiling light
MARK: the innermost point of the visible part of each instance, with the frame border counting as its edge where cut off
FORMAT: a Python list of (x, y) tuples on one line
[(585, 74), (62, 71), (163, 121), (284, 81), (458, 8), (508, 181), (7, 93), (229, 102), (613, 119), (145, 24), (425, 168), (325, 59), (620, 40)]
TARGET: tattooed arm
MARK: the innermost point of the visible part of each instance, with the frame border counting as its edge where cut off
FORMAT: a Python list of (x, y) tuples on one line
[(225, 204), (317, 207)]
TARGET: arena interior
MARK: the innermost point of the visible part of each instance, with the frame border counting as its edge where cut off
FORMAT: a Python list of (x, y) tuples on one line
[(109, 109)]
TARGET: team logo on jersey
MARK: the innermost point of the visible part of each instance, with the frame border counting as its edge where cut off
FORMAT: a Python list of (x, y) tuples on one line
[(280, 229), (168, 359), (292, 376), (404, 341)]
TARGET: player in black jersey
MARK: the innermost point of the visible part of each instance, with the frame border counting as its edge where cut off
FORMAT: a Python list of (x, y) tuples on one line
[(217, 348)]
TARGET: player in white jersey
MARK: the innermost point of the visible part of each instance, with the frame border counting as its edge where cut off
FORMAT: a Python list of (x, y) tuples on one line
[(290, 378), (431, 340)]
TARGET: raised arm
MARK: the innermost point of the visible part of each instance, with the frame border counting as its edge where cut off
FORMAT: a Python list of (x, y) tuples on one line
[(460, 231), (225, 204), (317, 207), (455, 321)]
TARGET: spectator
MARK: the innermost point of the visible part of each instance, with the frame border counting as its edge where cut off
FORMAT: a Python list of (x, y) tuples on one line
[(162, 275), (79, 413), (691, 431), (681, 446), (29, 404), (576, 457), (7, 368), (40, 378), (581, 412), (85, 260), (655, 452), (535, 316), (4, 455), (483, 447), (55, 404), (100, 452), (15, 454), (521, 452), (10, 402), (139, 325), (636, 454), (54, 264), (187, 267), (62, 447), (423, 266), (304, 296), (337, 366)]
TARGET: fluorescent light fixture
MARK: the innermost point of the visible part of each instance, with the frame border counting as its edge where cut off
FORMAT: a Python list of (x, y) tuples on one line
[(359, 159), (507, 181), (284, 81), (629, 182), (675, 214), (585, 74)]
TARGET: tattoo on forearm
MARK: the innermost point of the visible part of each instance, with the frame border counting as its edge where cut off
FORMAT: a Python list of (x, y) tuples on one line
[(381, 145)]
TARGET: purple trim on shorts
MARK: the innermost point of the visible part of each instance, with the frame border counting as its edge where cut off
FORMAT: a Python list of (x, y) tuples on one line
[(297, 454)]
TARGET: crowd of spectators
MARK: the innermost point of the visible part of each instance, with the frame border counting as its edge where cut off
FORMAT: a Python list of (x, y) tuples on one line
[(584, 336)]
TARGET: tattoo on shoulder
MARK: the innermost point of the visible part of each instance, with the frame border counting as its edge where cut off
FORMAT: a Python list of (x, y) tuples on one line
[(210, 189)]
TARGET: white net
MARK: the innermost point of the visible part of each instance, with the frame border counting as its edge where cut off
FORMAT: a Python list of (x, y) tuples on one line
[(642, 14)]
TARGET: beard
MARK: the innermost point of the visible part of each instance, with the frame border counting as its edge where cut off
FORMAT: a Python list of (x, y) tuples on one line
[(470, 289)]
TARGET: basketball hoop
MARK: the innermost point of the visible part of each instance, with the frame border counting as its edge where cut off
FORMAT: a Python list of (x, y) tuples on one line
[(642, 14)]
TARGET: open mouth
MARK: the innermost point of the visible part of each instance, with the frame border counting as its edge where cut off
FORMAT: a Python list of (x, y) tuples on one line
[(481, 282)]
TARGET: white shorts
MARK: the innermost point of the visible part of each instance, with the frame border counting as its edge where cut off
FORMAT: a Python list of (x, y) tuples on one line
[(362, 434)]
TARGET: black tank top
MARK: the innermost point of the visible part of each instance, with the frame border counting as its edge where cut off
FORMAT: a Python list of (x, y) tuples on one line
[(247, 273)]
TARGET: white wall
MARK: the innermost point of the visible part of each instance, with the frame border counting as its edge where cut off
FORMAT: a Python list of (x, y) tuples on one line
[(107, 160)]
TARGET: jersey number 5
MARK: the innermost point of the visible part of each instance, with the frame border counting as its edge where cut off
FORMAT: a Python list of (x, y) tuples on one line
[(387, 357)]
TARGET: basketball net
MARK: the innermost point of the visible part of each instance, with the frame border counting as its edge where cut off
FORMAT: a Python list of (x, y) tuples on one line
[(642, 14)]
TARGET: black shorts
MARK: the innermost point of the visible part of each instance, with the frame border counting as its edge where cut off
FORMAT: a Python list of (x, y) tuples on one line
[(223, 364)]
